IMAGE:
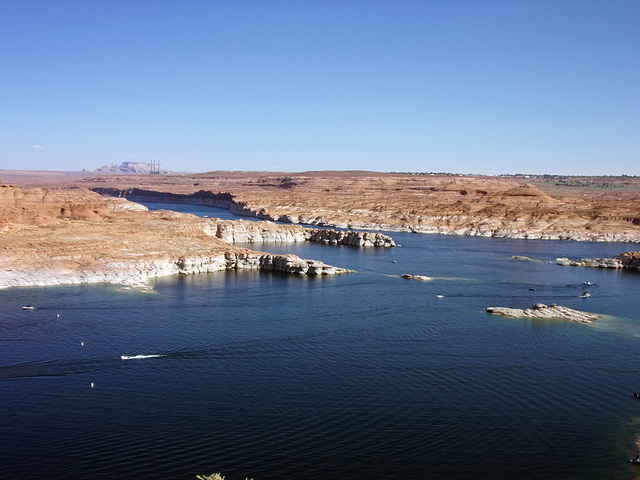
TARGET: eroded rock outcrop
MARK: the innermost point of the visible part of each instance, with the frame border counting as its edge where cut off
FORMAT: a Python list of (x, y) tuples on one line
[(443, 204), (121, 242), (243, 232), (138, 271), (540, 310), (36, 206), (251, 232), (358, 239), (73, 264), (591, 262), (629, 260)]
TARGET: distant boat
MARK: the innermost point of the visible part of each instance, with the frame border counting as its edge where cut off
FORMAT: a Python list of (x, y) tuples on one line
[(136, 357), (28, 307), (586, 294)]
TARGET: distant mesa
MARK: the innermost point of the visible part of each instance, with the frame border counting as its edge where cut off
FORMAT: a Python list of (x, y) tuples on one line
[(133, 167)]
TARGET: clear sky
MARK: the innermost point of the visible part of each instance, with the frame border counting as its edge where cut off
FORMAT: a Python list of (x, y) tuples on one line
[(464, 86)]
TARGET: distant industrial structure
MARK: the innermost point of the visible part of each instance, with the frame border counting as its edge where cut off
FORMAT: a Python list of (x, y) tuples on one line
[(152, 167)]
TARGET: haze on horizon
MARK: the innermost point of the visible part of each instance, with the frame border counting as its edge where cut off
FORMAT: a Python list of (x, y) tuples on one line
[(462, 86)]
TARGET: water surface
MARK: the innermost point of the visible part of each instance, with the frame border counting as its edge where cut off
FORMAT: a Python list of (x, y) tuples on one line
[(365, 375)]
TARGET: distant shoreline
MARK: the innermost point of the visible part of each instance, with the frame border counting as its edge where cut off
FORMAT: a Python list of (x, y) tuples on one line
[(543, 207)]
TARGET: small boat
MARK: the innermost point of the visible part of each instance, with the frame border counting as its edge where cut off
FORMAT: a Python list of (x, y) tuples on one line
[(635, 461), (586, 294), (136, 357), (28, 307)]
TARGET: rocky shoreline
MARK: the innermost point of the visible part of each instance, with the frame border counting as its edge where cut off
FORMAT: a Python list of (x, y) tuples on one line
[(626, 260), (138, 272), (75, 236), (462, 222), (629, 260), (242, 232)]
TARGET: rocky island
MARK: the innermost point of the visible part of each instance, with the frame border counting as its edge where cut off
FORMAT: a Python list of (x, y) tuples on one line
[(540, 310)]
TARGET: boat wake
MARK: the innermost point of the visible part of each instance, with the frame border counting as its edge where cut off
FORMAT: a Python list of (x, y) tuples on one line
[(137, 357)]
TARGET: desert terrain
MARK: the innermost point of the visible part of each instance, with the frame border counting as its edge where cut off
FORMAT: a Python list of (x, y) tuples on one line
[(80, 227), (516, 207)]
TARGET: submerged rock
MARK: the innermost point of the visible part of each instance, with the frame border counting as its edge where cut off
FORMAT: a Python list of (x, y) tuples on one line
[(421, 278), (527, 259)]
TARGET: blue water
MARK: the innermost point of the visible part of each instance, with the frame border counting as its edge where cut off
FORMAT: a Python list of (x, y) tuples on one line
[(365, 375), (199, 210)]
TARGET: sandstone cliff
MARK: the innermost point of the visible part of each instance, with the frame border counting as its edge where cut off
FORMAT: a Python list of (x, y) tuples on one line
[(76, 236), (478, 206), (44, 207), (239, 231)]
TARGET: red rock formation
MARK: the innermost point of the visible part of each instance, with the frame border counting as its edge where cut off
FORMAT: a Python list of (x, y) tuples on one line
[(36, 206)]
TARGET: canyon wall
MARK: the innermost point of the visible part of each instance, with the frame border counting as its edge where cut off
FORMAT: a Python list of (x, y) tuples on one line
[(252, 232), (486, 207), (52, 237)]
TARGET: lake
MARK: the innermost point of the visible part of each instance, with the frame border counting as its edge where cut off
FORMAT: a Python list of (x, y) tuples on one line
[(363, 375)]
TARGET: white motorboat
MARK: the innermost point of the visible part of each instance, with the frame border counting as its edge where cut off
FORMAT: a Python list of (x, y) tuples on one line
[(136, 357)]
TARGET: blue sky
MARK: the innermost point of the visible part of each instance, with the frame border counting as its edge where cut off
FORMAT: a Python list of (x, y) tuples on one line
[(460, 86)]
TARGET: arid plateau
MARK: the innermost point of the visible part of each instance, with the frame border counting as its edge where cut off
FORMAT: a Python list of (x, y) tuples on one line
[(82, 227)]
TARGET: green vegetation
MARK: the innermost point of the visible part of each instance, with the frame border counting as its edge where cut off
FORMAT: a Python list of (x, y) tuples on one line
[(588, 183)]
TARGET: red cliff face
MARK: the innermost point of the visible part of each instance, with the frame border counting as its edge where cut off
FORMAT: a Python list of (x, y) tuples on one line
[(36, 206)]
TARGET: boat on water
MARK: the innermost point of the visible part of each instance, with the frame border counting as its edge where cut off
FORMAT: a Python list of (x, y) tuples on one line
[(28, 307), (635, 461), (136, 357)]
